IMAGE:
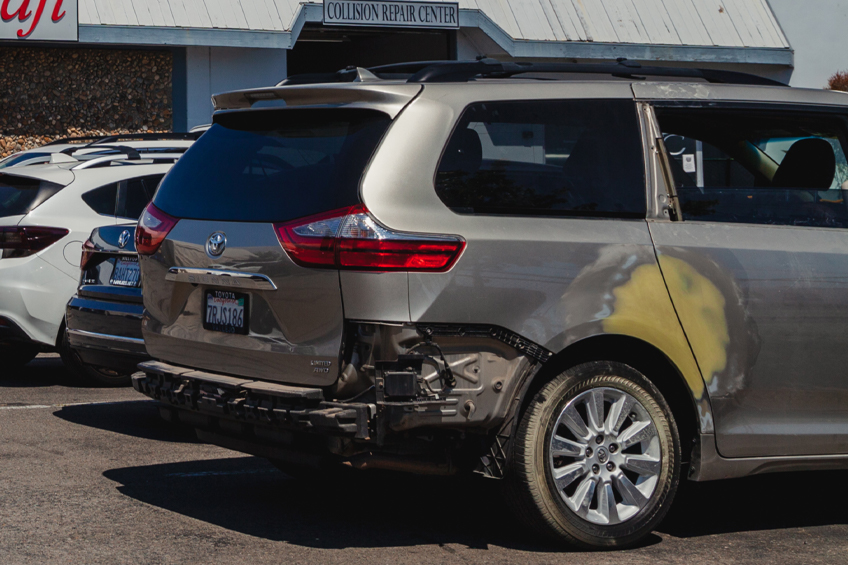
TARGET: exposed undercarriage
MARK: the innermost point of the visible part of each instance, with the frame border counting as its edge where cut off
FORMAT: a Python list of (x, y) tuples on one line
[(420, 398)]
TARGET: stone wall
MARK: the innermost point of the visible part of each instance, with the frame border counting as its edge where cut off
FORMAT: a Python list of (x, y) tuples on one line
[(47, 93)]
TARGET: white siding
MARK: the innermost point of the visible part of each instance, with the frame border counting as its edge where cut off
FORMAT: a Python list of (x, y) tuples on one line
[(723, 23)]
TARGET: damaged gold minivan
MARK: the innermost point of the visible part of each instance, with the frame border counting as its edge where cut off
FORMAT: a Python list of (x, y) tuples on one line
[(589, 282)]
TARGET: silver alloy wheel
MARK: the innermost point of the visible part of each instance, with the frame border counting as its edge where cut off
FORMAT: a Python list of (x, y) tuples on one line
[(605, 456)]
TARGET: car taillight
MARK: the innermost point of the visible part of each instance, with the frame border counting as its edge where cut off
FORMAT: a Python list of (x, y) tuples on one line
[(349, 238), (153, 227), (88, 251), (20, 241)]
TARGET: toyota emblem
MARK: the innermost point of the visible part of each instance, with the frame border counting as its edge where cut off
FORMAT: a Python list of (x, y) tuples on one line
[(123, 239), (216, 244)]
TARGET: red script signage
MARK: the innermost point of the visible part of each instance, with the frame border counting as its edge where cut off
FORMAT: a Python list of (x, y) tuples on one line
[(38, 19)]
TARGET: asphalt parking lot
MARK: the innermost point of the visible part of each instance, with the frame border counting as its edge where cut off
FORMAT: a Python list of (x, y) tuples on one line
[(92, 475)]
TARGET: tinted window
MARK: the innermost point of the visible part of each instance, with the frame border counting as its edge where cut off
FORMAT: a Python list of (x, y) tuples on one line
[(102, 200), (273, 165), (571, 157), (758, 167), (19, 195), (135, 194)]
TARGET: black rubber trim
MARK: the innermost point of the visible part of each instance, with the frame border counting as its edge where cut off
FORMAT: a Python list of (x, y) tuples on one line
[(522, 345)]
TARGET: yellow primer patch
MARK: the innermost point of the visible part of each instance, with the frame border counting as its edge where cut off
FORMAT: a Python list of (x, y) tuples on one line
[(700, 306), (643, 310)]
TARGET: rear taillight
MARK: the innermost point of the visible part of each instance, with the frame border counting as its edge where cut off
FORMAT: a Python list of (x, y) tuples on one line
[(153, 227), (20, 241), (88, 251), (350, 238)]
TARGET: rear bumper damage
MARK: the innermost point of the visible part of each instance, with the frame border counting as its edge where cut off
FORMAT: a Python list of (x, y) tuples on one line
[(245, 402)]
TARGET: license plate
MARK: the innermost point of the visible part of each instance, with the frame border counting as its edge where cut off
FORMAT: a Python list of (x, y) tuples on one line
[(126, 272), (226, 312)]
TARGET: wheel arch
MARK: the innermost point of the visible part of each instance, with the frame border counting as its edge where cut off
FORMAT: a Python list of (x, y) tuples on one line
[(689, 412)]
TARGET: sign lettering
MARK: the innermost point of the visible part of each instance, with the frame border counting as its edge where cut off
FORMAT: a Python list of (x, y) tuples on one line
[(39, 20), (392, 13)]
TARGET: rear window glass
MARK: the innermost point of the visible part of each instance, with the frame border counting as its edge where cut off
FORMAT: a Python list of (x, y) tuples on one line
[(273, 165), (21, 195), (546, 158)]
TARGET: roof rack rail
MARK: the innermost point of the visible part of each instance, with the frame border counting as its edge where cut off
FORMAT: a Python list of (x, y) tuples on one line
[(460, 71), (187, 136), (63, 140), (463, 71), (98, 139), (128, 158)]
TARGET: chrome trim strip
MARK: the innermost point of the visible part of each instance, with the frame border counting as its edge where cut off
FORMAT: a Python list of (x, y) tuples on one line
[(83, 333), (219, 277)]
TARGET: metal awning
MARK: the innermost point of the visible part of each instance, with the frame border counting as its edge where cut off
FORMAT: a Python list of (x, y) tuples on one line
[(727, 31)]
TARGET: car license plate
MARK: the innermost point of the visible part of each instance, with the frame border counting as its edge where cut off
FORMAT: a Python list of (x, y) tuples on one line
[(226, 312), (126, 272)]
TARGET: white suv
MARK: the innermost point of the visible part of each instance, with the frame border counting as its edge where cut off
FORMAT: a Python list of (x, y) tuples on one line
[(47, 211)]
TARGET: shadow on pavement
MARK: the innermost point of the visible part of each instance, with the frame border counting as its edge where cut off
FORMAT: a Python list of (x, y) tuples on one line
[(136, 418), (43, 371), (764, 502), (250, 496)]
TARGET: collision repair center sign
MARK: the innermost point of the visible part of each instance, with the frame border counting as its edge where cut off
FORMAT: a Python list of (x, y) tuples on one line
[(392, 13), (39, 20)]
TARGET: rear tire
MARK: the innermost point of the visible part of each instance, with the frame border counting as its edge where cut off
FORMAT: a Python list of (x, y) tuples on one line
[(91, 374), (16, 355), (606, 480)]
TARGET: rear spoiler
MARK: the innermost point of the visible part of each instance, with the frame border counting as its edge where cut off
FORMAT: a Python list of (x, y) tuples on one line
[(388, 98)]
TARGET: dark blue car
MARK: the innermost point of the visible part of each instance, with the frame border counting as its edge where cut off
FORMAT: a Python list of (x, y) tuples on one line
[(103, 342)]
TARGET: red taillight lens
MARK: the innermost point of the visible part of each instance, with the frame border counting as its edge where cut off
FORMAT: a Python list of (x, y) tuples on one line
[(88, 251), (153, 227), (311, 241), (350, 238), (20, 241)]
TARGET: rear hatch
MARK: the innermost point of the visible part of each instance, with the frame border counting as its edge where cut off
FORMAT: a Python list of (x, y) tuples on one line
[(109, 264), (221, 293)]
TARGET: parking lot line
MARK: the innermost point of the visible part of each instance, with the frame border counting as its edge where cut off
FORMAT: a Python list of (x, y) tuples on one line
[(42, 406)]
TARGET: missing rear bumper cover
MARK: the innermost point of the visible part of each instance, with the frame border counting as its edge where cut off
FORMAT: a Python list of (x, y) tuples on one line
[(250, 402)]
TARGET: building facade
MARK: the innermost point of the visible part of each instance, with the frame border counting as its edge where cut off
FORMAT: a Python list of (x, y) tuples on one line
[(88, 66)]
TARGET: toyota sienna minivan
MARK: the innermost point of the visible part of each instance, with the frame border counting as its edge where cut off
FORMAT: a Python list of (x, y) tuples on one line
[(587, 282)]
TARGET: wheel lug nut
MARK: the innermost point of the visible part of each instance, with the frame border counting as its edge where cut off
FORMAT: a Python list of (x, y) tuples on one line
[(596, 469), (589, 452), (610, 466), (613, 448), (599, 440)]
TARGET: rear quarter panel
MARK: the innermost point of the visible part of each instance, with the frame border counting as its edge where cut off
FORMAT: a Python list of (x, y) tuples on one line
[(555, 281)]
